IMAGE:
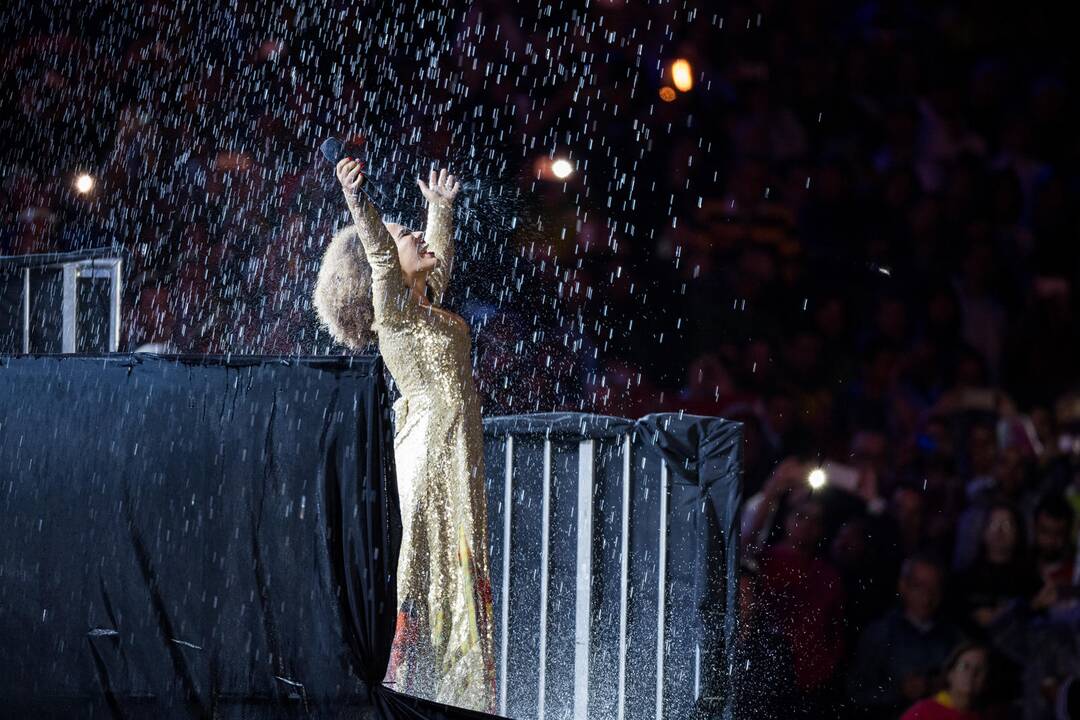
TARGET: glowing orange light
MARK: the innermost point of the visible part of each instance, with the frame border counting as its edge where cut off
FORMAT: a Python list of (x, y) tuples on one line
[(667, 94), (682, 75)]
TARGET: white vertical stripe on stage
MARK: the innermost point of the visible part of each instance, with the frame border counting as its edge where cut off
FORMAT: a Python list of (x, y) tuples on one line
[(661, 580), (583, 595), (67, 325), (545, 573), (697, 671), (114, 314), (624, 578), (26, 310), (508, 504)]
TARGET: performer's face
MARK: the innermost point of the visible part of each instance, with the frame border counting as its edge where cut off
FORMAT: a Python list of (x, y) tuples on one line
[(413, 253)]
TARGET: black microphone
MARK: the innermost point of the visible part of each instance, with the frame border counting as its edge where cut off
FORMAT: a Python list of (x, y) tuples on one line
[(334, 150)]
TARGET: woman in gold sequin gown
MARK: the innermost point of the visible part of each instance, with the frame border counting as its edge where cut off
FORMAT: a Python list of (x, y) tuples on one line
[(443, 646)]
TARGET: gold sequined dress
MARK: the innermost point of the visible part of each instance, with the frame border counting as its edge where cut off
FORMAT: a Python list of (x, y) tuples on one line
[(443, 646)]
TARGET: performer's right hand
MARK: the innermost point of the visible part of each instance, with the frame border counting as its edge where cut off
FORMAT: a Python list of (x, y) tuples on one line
[(350, 177)]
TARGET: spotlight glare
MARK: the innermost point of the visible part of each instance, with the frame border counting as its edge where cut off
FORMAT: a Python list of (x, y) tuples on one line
[(562, 168), (816, 478), (84, 184), (667, 94), (682, 75)]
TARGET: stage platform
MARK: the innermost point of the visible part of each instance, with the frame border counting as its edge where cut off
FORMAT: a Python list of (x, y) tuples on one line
[(216, 537)]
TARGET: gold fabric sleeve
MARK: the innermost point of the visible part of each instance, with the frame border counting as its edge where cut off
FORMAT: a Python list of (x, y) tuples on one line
[(439, 236), (388, 290)]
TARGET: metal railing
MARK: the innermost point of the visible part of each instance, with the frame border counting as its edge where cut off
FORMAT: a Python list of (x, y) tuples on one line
[(56, 282), (580, 516)]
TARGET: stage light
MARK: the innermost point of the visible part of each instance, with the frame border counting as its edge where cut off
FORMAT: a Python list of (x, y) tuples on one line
[(667, 94), (562, 168), (816, 478), (84, 184), (682, 76)]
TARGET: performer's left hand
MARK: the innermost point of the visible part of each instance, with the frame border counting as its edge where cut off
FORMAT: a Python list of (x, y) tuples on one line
[(440, 188)]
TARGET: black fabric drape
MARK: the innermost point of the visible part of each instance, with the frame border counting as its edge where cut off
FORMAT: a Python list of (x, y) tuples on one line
[(197, 537), (216, 537), (704, 455)]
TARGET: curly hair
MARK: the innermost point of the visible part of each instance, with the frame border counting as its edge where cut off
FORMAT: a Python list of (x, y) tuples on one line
[(343, 291)]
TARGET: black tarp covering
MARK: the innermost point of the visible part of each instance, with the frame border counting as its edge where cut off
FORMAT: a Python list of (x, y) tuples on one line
[(197, 537), (703, 460)]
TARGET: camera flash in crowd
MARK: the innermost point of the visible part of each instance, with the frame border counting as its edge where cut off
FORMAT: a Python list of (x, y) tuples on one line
[(682, 75), (562, 168), (84, 184), (816, 478)]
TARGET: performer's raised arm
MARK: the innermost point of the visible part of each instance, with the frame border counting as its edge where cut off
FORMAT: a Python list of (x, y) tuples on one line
[(440, 191), (360, 279), (379, 246)]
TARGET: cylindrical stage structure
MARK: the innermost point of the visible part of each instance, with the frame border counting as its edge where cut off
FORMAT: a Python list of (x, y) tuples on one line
[(614, 557), (217, 537)]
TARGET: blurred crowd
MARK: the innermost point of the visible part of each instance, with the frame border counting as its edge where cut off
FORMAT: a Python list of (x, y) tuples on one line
[(854, 235)]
